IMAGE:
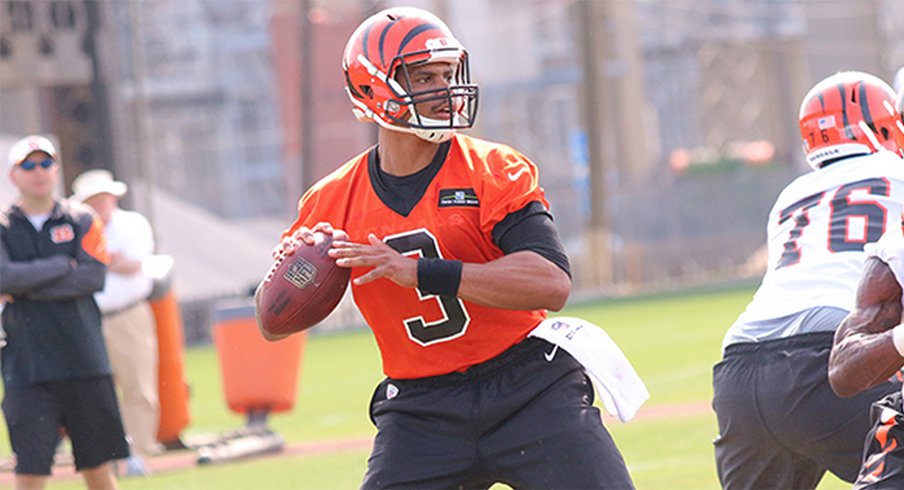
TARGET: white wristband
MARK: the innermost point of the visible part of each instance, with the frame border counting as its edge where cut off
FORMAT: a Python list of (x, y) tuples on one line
[(897, 336)]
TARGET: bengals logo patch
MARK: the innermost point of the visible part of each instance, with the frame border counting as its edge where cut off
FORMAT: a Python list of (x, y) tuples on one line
[(62, 233)]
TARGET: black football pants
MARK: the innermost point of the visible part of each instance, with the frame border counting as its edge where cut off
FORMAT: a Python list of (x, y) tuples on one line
[(517, 419)]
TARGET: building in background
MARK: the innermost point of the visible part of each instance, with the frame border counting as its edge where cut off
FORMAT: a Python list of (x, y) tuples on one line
[(198, 78), (697, 102), (237, 106)]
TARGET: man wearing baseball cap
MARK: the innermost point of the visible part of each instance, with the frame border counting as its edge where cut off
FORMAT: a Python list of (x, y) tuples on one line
[(128, 321), (56, 374)]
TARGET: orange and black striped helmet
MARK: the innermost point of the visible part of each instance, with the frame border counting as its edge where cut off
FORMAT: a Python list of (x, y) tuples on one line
[(847, 114), (376, 62)]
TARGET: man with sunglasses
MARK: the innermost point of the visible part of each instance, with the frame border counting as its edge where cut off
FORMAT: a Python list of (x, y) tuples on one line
[(56, 374)]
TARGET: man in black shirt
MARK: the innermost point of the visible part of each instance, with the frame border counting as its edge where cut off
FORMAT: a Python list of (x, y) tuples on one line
[(56, 374)]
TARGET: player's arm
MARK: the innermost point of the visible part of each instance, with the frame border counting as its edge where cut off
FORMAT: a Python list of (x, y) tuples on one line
[(533, 274), (864, 353), (520, 281)]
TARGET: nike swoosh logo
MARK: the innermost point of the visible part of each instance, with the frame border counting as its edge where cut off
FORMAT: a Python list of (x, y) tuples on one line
[(551, 354), (513, 176)]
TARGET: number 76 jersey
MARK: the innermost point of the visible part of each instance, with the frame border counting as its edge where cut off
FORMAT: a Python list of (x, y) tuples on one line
[(817, 229)]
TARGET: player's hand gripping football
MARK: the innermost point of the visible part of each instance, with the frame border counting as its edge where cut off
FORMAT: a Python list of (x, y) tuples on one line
[(289, 244), (385, 260)]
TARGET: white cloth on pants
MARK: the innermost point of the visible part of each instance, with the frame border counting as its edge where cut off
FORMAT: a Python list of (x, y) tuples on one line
[(620, 388)]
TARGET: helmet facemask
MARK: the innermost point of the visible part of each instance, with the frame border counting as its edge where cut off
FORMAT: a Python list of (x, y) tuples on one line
[(460, 96)]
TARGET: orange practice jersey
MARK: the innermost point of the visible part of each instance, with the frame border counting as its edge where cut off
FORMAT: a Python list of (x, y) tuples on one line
[(478, 184)]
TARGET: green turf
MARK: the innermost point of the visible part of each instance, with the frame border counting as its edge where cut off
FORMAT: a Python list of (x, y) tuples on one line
[(672, 341), (337, 374)]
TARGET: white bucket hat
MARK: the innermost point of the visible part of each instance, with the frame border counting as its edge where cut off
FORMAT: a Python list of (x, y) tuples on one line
[(28, 145), (95, 182)]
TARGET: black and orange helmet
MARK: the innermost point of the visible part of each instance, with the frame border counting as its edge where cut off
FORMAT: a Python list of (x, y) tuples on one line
[(376, 61), (847, 114)]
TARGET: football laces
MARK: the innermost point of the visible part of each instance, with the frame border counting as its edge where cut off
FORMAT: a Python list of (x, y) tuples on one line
[(270, 273)]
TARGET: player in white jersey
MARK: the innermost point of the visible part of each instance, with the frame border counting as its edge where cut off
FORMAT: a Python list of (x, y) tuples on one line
[(780, 424)]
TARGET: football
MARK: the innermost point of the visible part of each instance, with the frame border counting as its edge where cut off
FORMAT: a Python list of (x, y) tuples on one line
[(301, 288)]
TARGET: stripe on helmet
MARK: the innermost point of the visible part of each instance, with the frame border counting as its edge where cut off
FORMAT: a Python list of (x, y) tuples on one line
[(845, 122), (383, 38), (364, 40), (413, 33), (864, 109)]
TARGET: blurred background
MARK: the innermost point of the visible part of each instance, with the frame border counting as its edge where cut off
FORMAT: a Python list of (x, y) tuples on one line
[(663, 129)]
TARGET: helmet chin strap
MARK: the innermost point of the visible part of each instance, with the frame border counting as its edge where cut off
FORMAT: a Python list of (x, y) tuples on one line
[(436, 133), (433, 135)]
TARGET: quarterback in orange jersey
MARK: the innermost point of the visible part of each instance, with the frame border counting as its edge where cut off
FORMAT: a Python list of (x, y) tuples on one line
[(468, 189), (454, 260)]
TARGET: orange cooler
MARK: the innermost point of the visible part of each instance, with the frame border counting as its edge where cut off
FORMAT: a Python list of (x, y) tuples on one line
[(257, 375)]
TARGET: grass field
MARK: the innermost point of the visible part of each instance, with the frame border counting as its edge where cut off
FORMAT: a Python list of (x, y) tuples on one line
[(673, 341)]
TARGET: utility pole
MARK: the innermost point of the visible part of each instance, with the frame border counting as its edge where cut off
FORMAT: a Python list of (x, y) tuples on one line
[(598, 235), (141, 110), (307, 100), (627, 101)]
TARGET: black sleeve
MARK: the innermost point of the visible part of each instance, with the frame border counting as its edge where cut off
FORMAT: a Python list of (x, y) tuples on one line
[(86, 279), (22, 277), (532, 228)]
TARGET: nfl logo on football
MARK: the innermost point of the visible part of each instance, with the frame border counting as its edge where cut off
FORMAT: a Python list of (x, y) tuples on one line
[(301, 273)]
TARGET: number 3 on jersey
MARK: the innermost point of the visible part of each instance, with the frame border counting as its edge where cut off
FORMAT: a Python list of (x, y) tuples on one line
[(455, 318), (852, 222)]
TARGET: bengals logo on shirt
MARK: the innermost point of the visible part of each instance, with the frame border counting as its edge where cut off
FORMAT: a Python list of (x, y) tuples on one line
[(62, 233)]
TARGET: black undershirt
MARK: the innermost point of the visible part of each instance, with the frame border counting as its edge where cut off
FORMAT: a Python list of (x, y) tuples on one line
[(401, 194), (530, 228)]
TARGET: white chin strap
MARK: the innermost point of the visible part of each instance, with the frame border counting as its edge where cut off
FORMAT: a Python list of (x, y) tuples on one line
[(431, 135), (437, 135), (434, 135)]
